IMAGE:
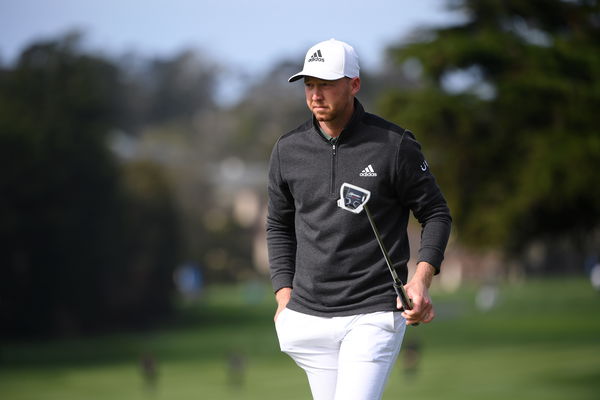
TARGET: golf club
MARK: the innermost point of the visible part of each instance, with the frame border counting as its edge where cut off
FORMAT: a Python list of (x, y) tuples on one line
[(354, 199)]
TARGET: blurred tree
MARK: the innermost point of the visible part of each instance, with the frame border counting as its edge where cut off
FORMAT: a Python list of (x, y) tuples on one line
[(272, 107), (164, 91), (57, 186), (148, 244), (61, 206), (507, 105), (182, 86)]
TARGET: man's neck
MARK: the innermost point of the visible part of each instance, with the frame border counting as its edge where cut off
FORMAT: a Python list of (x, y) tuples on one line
[(330, 139), (331, 130), (335, 128)]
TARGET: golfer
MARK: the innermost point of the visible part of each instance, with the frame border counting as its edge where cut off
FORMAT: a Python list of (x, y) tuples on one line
[(338, 316)]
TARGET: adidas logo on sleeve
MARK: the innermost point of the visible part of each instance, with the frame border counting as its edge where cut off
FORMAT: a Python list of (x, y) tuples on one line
[(369, 171)]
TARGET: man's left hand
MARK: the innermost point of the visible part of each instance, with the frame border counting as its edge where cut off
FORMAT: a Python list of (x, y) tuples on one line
[(418, 290)]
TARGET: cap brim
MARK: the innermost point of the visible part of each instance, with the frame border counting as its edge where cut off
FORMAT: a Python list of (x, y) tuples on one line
[(328, 76)]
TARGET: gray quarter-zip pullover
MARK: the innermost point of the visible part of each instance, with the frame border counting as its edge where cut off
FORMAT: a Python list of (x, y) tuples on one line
[(328, 256)]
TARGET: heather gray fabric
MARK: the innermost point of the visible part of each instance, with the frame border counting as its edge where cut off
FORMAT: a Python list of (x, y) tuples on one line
[(329, 256)]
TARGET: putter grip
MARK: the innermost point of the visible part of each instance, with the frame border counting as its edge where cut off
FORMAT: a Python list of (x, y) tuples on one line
[(407, 303)]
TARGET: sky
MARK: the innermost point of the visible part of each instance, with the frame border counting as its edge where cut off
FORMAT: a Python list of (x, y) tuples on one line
[(248, 36)]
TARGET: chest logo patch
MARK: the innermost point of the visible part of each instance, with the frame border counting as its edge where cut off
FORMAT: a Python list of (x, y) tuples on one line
[(369, 171)]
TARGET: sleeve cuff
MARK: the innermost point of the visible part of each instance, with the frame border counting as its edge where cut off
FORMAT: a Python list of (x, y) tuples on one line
[(431, 256), (281, 281)]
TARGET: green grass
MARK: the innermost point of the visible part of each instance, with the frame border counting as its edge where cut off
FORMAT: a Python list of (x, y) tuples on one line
[(541, 341)]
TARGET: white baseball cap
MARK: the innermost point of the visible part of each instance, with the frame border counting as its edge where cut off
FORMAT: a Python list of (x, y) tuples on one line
[(329, 60)]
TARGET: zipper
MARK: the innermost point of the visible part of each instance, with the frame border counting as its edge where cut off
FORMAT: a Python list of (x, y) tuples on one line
[(333, 153)]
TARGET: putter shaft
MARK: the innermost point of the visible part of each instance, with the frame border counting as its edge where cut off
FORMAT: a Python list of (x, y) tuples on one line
[(407, 303)]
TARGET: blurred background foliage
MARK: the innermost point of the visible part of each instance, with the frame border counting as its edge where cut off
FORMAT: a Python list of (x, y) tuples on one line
[(115, 172), (508, 102)]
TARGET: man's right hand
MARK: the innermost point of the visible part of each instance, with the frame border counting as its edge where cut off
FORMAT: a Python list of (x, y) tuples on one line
[(283, 297)]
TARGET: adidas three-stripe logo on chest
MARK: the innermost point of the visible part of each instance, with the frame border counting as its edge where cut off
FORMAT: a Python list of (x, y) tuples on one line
[(369, 171)]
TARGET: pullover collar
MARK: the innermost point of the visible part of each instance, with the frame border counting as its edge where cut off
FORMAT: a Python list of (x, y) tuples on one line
[(357, 115)]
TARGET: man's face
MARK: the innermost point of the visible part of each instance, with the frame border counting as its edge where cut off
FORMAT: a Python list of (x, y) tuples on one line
[(331, 101)]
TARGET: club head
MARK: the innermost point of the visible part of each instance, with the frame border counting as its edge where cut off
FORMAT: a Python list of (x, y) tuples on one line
[(353, 198)]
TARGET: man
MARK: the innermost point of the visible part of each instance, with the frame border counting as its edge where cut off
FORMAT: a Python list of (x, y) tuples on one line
[(337, 312)]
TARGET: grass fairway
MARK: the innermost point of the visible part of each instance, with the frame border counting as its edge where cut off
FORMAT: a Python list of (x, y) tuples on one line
[(541, 341)]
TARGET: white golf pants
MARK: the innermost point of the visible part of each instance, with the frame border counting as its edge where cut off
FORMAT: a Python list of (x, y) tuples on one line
[(345, 358)]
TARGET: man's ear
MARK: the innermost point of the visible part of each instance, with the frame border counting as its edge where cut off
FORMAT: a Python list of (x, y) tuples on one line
[(355, 85)]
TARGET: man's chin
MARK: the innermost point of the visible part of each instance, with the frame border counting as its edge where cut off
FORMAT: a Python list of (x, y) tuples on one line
[(322, 116)]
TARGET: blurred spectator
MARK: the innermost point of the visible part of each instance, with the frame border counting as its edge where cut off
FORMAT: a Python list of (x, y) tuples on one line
[(411, 352), (189, 280), (149, 371), (595, 276), (487, 297), (236, 369)]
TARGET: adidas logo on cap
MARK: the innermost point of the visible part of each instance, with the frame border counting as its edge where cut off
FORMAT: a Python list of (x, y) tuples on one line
[(317, 57), (369, 171)]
